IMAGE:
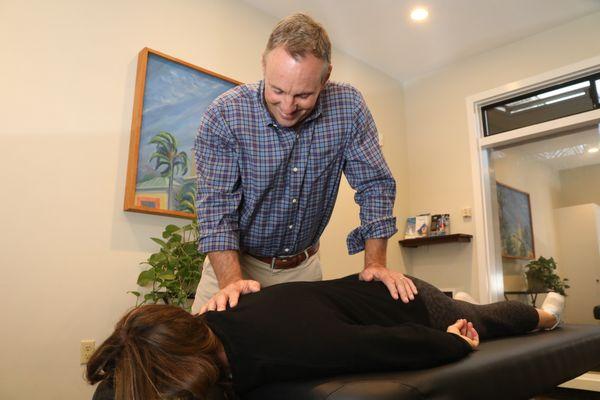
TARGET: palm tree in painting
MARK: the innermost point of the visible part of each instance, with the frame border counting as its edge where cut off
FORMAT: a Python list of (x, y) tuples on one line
[(168, 158), (185, 198)]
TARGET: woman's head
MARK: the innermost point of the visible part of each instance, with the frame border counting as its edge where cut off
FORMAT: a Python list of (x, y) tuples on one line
[(157, 351)]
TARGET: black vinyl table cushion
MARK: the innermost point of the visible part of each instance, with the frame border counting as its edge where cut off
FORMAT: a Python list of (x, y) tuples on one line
[(509, 368)]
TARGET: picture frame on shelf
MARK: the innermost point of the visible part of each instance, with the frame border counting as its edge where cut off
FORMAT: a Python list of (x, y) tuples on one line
[(410, 231), (417, 226), (440, 225), (422, 225)]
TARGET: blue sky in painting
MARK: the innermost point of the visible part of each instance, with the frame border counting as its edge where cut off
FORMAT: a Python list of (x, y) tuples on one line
[(175, 98)]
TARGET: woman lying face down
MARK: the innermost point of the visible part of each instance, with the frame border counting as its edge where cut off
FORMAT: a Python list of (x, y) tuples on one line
[(298, 331)]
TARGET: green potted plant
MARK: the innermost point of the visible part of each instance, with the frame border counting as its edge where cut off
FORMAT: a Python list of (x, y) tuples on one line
[(174, 271), (541, 276)]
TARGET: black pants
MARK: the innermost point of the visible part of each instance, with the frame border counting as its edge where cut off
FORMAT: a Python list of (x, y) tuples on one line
[(505, 318)]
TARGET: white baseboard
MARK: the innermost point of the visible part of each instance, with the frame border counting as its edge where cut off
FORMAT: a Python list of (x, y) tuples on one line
[(588, 381)]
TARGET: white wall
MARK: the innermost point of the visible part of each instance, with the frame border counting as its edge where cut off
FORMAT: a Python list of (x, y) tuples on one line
[(437, 133), (69, 252)]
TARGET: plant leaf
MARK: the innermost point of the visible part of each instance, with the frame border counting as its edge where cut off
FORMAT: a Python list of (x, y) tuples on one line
[(162, 243), (171, 228), (146, 277), (150, 296)]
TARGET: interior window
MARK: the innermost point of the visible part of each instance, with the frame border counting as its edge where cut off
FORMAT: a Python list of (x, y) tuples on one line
[(551, 103), (547, 201)]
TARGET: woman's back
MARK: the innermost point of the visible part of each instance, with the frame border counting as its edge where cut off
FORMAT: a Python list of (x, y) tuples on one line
[(307, 329)]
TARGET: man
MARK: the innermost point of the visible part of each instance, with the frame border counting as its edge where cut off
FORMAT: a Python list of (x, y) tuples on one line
[(270, 157)]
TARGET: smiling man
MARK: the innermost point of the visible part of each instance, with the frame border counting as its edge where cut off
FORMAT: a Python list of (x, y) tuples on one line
[(269, 158), (292, 86)]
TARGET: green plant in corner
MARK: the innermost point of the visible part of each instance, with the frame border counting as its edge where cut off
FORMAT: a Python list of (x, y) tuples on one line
[(541, 275), (174, 270)]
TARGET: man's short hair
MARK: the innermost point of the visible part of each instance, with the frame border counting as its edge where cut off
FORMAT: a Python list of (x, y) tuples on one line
[(300, 34)]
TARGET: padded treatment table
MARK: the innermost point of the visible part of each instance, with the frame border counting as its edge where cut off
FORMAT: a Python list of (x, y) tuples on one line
[(509, 368)]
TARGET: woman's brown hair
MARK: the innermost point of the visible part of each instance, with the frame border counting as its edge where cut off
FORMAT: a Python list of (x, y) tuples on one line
[(158, 351)]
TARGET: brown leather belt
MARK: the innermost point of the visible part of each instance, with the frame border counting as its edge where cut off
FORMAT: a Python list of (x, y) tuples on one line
[(288, 262)]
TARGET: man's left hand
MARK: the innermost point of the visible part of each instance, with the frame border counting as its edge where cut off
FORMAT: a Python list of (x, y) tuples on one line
[(399, 285)]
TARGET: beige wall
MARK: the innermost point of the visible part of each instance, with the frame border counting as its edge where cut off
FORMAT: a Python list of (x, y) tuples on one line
[(543, 185), (580, 185), (578, 229), (437, 137), (384, 97), (69, 252)]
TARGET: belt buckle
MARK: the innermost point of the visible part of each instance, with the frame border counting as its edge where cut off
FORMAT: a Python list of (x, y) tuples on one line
[(284, 258)]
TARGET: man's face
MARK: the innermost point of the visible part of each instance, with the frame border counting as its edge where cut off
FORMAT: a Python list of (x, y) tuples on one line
[(292, 86)]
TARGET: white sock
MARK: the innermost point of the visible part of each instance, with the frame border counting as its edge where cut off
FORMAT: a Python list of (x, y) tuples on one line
[(464, 296), (554, 303)]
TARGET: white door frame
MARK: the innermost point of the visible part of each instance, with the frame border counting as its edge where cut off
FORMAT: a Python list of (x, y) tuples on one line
[(489, 262)]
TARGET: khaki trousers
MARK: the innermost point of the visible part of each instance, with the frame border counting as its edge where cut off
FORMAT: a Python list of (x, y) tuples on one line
[(309, 270)]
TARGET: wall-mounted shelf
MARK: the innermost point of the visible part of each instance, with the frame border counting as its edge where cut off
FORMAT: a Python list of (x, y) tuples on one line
[(426, 241)]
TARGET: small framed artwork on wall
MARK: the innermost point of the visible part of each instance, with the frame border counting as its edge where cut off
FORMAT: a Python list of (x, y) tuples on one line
[(171, 96), (516, 228)]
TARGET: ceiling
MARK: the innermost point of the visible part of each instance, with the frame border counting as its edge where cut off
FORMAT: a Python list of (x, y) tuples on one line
[(381, 33), (559, 152)]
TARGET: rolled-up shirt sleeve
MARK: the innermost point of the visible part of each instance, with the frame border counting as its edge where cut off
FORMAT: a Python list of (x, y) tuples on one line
[(368, 174), (219, 192)]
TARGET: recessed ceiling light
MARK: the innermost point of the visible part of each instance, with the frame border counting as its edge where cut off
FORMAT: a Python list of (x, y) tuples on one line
[(419, 14), (593, 150)]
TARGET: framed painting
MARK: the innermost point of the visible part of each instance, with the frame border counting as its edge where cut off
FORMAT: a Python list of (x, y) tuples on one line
[(170, 97), (516, 228)]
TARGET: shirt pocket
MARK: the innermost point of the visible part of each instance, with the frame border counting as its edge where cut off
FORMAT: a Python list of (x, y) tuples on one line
[(325, 158)]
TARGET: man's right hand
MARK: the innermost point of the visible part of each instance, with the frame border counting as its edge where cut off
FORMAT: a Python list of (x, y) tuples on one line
[(230, 294)]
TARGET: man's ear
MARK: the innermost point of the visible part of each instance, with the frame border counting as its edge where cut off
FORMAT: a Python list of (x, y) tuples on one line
[(326, 75), (262, 63)]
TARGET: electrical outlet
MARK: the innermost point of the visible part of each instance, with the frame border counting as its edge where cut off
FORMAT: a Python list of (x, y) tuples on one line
[(86, 349)]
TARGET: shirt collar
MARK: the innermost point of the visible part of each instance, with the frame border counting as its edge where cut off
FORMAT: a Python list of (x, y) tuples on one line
[(268, 120)]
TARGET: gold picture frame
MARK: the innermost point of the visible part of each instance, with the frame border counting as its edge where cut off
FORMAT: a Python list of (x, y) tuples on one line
[(170, 97)]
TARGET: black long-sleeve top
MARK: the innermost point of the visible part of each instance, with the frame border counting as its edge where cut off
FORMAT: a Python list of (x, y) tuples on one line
[(311, 329)]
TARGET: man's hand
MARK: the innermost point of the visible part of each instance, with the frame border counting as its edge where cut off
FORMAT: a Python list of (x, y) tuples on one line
[(466, 331), (228, 271), (230, 294), (399, 285)]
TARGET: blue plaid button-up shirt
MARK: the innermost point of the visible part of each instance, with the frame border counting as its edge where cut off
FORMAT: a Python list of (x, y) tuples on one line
[(270, 191)]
